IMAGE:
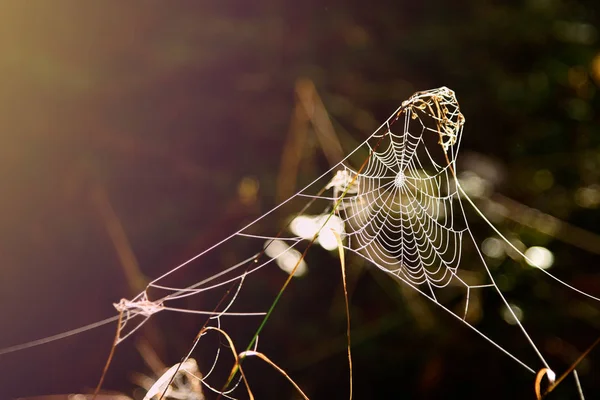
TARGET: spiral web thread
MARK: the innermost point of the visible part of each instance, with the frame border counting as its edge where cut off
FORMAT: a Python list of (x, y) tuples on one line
[(402, 210)]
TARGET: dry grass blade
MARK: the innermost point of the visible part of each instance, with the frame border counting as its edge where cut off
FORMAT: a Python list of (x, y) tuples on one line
[(110, 356), (538, 381), (564, 375), (343, 267), (309, 109), (116, 232), (149, 356), (237, 366), (292, 151), (266, 359), (318, 115), (133, 274)]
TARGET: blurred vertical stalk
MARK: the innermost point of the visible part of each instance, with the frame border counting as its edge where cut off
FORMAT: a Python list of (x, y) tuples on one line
[(309, 110), (136, 280)]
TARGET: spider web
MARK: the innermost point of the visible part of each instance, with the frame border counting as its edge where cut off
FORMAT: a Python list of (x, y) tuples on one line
[(403, 210), (395, 201), (399, 211)]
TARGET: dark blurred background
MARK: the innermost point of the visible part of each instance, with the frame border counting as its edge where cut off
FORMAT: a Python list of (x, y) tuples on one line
[(162, 125)]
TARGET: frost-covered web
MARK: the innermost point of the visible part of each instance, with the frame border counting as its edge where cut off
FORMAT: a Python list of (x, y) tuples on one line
[(395, 201), (399, 211)]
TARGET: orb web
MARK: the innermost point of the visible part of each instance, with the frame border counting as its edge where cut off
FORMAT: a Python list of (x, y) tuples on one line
[(400, 214)]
